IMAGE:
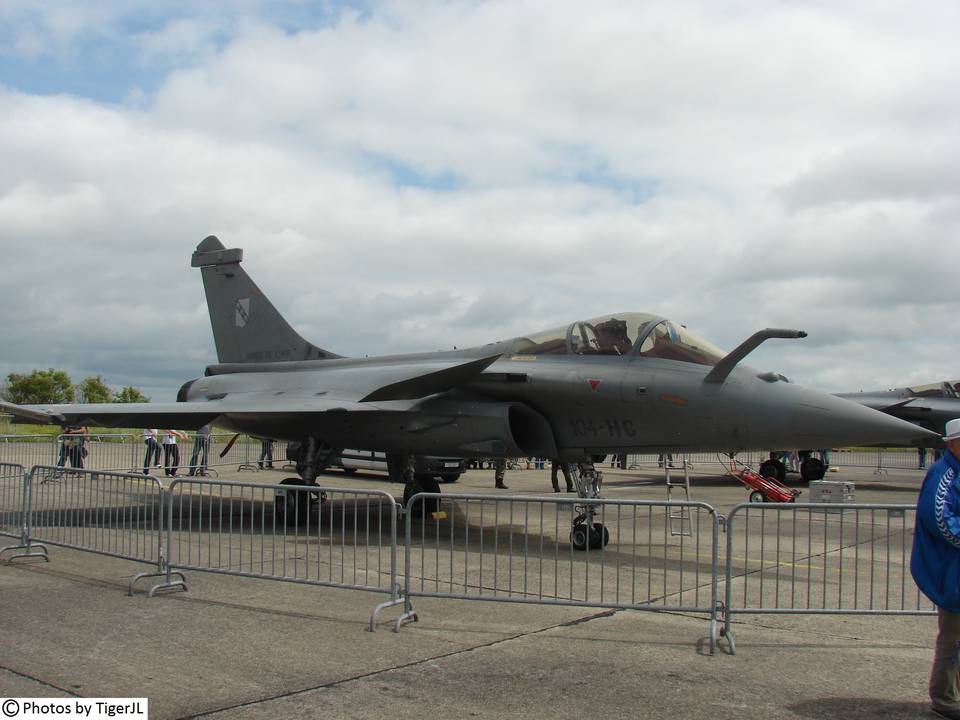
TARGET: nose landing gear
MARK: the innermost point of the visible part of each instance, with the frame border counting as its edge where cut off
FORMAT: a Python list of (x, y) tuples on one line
[(586, 533)]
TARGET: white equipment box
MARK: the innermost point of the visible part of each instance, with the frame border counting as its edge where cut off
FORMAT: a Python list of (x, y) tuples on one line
[(832, 491)]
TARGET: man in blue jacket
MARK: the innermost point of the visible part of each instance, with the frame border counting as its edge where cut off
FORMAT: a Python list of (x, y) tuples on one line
[(935, 565)]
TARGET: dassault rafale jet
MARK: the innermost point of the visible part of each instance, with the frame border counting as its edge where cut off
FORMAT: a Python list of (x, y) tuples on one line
[(929, 406), (621, 383)]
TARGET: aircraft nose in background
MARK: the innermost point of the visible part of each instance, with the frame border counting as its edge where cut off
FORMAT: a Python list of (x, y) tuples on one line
[(823, 420)]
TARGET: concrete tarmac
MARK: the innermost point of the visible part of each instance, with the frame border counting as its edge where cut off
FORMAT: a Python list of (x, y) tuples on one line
[(235, 647)]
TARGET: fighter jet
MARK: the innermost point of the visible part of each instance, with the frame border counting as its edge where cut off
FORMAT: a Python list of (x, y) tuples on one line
[(929, 406), (621, 383)]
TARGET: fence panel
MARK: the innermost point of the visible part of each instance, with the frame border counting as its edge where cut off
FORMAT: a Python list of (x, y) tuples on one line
[(241, 452), (12, 493), (315, 535), (702, 461), (109, 513), (97, 451), (810, 558), (14, 509), (28, 450), (520, 549)]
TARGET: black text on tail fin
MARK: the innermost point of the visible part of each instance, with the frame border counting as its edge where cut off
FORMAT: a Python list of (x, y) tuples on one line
[(246, 326)]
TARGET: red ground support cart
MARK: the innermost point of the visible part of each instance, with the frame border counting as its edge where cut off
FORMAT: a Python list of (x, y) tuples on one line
[(766, 489)]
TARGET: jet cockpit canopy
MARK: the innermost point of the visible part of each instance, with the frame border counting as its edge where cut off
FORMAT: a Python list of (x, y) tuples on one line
[(630, 333), (946, 389)]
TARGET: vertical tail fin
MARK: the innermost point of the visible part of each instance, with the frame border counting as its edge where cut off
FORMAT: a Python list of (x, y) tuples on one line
[(246, 326)]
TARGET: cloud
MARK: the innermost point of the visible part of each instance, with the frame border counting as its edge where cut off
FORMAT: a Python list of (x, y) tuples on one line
[(420, 176)]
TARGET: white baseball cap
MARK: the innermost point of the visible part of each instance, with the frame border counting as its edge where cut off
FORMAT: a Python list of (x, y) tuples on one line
[(953, 429)]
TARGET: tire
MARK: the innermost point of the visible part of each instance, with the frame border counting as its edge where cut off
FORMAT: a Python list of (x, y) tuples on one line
[(292, 507), (812, 469), (580, 536), (449, 478), (757, 497), (773, 469), (394, 469), (599, 537), (349, 471), (422, 483)]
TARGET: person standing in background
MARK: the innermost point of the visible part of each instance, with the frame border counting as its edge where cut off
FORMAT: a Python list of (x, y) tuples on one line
[(171, 453), (201, 449)]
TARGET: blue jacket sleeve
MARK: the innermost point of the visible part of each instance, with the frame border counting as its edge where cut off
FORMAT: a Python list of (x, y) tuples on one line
[(947, 506)]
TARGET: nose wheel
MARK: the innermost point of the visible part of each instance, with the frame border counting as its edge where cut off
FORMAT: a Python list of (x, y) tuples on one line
[(586, 533), (584, 536)]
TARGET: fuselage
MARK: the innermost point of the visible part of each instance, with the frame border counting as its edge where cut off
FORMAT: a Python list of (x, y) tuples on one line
[(562, 405)]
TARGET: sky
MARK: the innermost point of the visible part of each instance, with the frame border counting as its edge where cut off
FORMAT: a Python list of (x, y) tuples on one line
[(415, 176)]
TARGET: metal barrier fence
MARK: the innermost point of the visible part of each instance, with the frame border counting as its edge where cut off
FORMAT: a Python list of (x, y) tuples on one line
[(14, 504), (520, 549), (12, 486), (108, 513), (126, 452), (220, 451), (813, 558), (881, 459), (27, 450), (786, 558), (313, 535), (95, 451), (699, 460)]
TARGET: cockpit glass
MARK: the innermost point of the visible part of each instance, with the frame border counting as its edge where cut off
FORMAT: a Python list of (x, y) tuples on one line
[(947, 389), (548, 342), (608, 335), (617, 335), (674, 342)]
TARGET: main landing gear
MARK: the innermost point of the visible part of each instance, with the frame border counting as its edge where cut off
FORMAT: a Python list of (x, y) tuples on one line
[(294, 507), (586, 533), (402, 468), (811, 468)]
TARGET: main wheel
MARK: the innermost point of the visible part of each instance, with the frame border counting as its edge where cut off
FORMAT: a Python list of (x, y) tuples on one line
[(452, 477), (395, 469), (426, 484), (580, 536), (292, 507), (599, 537), (773, 469), (757, 497), (812, 469)]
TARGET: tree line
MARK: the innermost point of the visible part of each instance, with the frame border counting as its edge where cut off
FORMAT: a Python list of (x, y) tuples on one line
[(54, 387)]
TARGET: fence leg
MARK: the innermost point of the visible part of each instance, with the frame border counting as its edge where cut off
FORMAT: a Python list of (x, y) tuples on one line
[(26, 507), (246, 464), (163, 566), (397, 595), (409, 614), (167, 573), (724, 616), (879, 470), (30, 550), (396, 599)]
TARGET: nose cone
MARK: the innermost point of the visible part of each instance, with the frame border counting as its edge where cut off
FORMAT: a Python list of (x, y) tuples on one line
[(821, 420)]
